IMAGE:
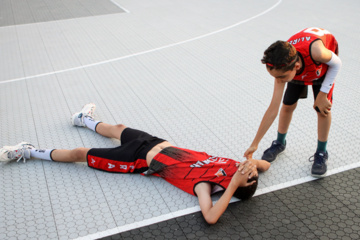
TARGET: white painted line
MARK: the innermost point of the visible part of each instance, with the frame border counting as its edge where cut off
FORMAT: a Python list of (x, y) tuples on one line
[(142, 223), (305, 179), (144, 52), (115, 3), (183, 212)]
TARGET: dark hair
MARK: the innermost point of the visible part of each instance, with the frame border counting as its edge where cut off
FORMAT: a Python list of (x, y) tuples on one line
[(244, 193), (280, 55)]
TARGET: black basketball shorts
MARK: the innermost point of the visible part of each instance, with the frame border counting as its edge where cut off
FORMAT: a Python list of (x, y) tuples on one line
[(130, 157)]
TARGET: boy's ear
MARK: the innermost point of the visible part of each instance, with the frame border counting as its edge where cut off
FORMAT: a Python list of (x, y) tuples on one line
[(297, 66)]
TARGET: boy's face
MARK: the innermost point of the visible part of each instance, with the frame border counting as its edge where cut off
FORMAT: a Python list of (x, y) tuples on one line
[(282, 76), (285, 76)]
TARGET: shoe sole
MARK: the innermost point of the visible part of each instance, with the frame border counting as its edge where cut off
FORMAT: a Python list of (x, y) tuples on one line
[(75, 115), (91, 106), (277, 157), (319, 176)]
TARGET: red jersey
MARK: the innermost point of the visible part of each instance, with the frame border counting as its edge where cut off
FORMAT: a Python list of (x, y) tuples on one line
[(185, 168), (302, 41)]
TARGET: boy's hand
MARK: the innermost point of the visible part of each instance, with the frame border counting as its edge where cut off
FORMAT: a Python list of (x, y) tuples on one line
[(322, 104), (247, 167), (241, 180), (249, 152)]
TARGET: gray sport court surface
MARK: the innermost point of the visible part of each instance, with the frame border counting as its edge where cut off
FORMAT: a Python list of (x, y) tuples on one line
[(187, 71)]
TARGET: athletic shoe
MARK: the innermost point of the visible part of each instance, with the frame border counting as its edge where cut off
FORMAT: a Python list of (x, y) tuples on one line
[(88, 110), (319, 167), (17, 152), (272, 152)]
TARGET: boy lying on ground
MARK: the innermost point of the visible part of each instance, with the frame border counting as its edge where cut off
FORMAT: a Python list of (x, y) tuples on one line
[(194, 172)]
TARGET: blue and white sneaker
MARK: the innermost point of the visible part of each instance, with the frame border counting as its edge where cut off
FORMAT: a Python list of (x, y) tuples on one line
[(17, 152), (319, 167), (88, 110)]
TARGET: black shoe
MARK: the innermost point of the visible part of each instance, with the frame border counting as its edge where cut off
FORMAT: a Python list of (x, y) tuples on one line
[(319, 167), (272, 152)]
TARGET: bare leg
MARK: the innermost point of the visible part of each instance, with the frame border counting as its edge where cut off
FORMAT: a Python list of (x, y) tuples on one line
[(75, 155), (79, 154), (285, 117), (324, 124), (111, 131)]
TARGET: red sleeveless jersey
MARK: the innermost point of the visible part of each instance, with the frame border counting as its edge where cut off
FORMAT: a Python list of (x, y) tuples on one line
[(302, 41), (185, 168)]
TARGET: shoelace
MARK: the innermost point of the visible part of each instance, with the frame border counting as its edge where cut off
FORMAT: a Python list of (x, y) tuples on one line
[(274, 144), (319, 160), (22, 157), (20, 154)]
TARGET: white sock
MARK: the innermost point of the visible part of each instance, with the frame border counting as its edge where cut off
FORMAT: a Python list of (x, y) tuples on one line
[(91, 123), (44, 154)]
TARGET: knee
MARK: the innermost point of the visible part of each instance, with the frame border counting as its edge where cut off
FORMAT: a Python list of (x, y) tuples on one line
[(288, 108), (79, 154), (120, 127)]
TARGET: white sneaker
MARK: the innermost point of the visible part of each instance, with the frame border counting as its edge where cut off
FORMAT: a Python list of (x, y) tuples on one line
[(88, 110), (17, 152)]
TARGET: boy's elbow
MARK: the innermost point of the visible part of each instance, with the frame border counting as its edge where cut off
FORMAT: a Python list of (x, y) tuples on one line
[(211, 220), (262, 165), (266, 166)]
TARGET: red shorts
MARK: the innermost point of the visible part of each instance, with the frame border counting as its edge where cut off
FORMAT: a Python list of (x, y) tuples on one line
[(130, 157)]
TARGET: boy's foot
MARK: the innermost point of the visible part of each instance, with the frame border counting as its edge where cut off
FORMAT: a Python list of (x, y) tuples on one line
[(17, 152), (272, 152), (319, 167), (88, 110)]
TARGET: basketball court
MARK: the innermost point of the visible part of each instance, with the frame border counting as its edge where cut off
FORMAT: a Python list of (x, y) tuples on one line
[(189, 72)]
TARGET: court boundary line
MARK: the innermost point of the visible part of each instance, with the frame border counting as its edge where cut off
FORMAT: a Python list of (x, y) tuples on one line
[(190, 210), (119, 6), (143, 52)]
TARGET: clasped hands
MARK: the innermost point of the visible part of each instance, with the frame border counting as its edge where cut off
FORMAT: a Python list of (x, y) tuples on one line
[(247, 167), (246, 170)]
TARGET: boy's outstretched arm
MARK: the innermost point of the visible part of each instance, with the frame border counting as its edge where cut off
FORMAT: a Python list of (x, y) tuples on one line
[(212, 212), (268, 118)]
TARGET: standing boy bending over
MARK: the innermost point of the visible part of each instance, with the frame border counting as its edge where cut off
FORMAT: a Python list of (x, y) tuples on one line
[(308, 58), (194, 172)]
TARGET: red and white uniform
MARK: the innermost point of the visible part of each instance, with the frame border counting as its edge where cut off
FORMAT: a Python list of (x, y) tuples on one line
[(185, 168), (302, 41)]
